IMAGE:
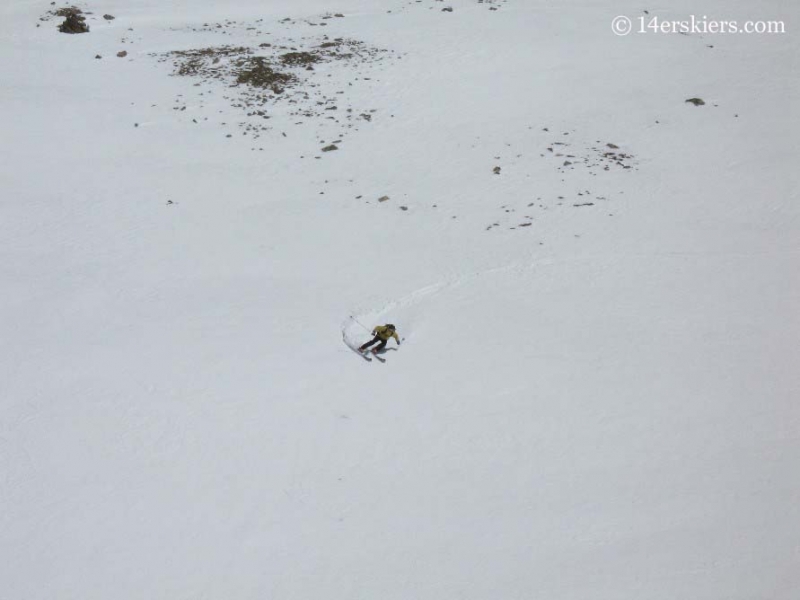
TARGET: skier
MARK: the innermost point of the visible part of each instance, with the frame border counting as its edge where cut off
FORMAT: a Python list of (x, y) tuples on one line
[(382, 334)]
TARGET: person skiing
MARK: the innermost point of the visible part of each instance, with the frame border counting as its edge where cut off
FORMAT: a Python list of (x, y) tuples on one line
[(382, 334)]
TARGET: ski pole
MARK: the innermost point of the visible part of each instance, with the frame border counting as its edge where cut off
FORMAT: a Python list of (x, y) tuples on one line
[(359, 322)]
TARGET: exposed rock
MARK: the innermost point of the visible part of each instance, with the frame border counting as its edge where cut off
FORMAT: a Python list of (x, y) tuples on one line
[(299, 59), (696, 101), (266, 74), (74, 23), (66, 11), (122, 53), (256, 72)]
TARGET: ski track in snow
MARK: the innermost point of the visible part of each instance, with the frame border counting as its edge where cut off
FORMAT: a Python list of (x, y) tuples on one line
[(392, 310), (354, 324)]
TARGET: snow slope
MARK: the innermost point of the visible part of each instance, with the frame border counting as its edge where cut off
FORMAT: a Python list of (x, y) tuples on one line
[(597, 392)]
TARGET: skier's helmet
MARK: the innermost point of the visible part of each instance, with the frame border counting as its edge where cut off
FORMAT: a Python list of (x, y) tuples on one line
[(390, 326)]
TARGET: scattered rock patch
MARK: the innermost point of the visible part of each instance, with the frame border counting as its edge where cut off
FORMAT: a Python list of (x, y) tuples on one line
[(301, 59), (74, 22), (256, 72), (267, 73)]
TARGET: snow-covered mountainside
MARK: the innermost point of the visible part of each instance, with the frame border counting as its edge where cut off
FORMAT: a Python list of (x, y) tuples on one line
[(589, 243)]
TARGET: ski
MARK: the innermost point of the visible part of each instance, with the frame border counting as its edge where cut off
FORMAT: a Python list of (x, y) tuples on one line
[(361, 354)]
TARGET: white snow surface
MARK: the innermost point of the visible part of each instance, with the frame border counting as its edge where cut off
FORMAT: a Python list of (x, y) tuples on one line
[(602, 403)]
